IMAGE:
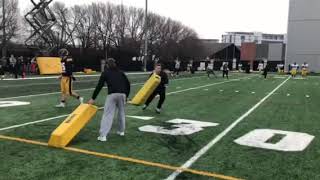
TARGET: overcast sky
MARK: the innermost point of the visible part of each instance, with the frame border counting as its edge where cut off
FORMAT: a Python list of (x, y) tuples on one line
[(212, 18)]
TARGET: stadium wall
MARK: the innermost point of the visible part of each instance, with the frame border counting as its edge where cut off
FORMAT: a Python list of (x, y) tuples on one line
[(303, 34)]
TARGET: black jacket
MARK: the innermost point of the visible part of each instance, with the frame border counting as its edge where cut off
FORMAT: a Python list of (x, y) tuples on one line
[(116, 81)]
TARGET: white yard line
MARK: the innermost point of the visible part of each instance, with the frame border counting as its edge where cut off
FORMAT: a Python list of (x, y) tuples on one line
[(53, 118), (33, 122), (55, 77), (37, 84), (45, 94), (203, 150), (207, 85)]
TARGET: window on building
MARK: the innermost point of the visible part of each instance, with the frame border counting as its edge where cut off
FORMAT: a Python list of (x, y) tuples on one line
[(243, 38)]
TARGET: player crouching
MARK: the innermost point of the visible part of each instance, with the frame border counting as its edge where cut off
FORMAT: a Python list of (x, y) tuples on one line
[(66, 79), (160, 90)]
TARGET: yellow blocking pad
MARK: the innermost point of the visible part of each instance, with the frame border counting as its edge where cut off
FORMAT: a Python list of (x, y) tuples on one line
[(49, 65), (147, 89), (71, 126)]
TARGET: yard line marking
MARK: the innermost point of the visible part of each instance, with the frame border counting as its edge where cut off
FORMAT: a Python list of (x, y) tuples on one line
[(55, 77), (203, 150), (45, 94), (53, 83), (141, 117), (174, 92), (38, 121), (207, 85), (121, 158), (33, 122)]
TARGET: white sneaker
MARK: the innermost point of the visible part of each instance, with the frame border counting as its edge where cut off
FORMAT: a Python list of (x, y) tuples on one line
[(81, 99), (102, 138), (61, 105), (158, 110), (120, 133), (144, 107)]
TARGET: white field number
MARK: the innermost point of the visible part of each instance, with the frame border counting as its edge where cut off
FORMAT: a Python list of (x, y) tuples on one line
[(12, 103), (290, 141), (258, 138), (180, 127)]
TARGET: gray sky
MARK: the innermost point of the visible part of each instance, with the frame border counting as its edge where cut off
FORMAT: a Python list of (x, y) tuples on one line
[(212, 18)]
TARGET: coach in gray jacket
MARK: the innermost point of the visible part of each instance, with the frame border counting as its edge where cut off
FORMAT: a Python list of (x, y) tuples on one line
[(118, 91)]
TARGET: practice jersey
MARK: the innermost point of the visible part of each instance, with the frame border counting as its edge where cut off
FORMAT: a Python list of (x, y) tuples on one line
[(210, 66), (294, 66), (280, 66), (225, 68), (177, 66), (305, 66), (66, 64), (260, 66)]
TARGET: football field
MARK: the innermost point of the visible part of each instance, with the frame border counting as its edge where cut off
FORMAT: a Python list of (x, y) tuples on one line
[(210, 128)]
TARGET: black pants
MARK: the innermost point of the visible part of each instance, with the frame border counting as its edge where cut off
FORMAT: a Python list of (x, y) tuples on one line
[(176, 71), (265, 75), (225, 73), (162, 94)]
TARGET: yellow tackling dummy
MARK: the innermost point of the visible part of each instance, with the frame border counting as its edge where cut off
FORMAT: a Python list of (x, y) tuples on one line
[(49, 65), (71, 126), (147, 89)]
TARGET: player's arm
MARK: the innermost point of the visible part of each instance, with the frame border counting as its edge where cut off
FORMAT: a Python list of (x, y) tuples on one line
[(98, 88)]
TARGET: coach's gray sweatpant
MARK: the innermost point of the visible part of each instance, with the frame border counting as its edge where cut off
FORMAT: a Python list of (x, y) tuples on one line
[(114, 102)]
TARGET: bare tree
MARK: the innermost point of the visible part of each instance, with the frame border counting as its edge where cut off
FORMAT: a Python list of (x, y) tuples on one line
[(9, 22)]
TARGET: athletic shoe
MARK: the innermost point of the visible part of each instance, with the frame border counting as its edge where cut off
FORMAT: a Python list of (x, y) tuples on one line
[(144, 107), (81, 100), (120, 133), (158, 110), (102, 138), (61, 105)]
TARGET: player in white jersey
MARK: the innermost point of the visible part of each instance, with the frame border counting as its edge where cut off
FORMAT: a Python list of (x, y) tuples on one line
[(280, 68), (240, 67), (260, 66), (294, 69), (190, 67), (304, 69), (210, 69), (177, 67)]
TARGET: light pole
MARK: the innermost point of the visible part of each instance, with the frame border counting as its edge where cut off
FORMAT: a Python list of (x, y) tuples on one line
[(146, 38)]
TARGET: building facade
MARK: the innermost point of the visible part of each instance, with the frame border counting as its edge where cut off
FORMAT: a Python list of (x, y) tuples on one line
[(303, 34), (238, 38)]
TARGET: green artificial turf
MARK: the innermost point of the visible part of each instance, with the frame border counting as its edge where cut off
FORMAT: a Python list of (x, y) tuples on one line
[(190, 97)]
